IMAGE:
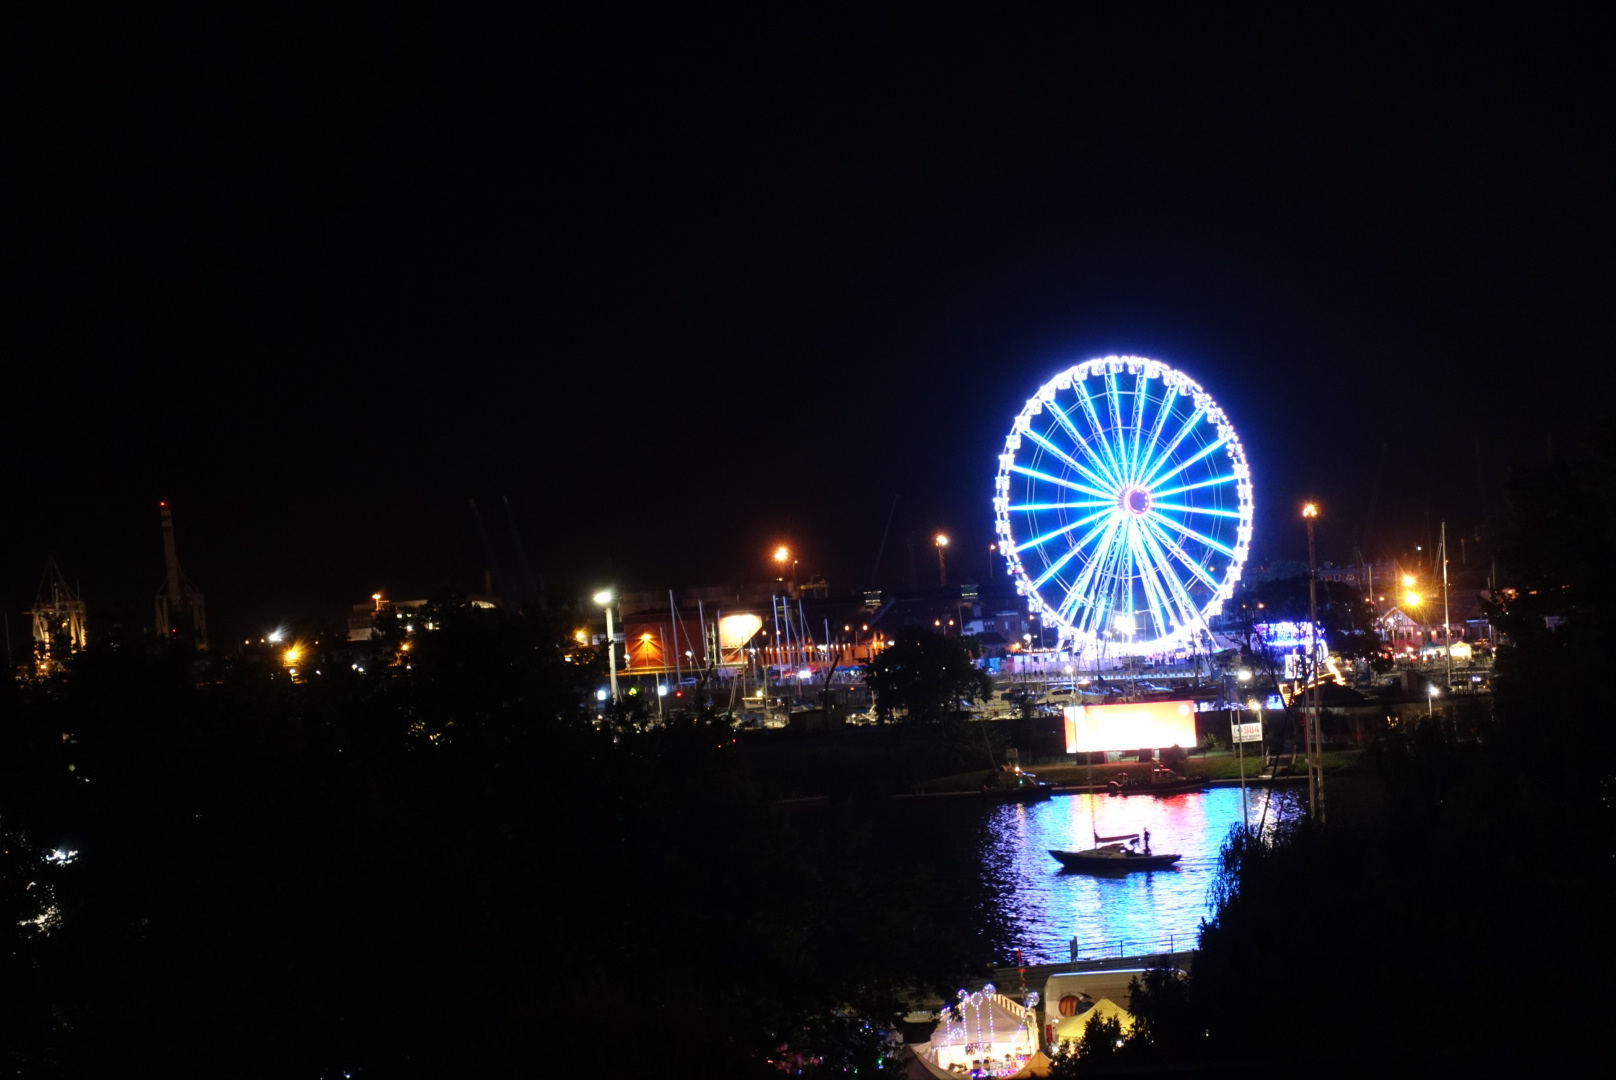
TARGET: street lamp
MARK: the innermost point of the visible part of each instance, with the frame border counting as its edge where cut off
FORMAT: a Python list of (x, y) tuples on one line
[(1315, 767), (782, 555), (604, 599), (1411, 595), (942, 568)]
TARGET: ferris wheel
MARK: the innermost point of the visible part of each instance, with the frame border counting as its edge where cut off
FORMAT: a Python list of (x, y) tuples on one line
[(1123, 506)]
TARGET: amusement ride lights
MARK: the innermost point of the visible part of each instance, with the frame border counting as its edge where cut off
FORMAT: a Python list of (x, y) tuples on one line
[(1123, 501)]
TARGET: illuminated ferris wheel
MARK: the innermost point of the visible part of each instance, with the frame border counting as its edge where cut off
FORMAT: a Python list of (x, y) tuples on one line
[(1123, 506)]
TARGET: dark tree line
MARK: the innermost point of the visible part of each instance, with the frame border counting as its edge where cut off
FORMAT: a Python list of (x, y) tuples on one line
[(1345, 614), (440, 865), (1452, 914)]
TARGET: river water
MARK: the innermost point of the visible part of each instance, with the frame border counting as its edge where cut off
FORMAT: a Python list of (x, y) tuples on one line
[(1043, 907)]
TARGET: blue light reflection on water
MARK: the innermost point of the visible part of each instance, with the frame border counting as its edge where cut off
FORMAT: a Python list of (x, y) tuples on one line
[(1110, 915)]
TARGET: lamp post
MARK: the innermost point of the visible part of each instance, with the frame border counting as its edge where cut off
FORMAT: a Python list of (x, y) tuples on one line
[(1447, 627), (1315, 766), (782, 555), (604, 598), (942, 567)]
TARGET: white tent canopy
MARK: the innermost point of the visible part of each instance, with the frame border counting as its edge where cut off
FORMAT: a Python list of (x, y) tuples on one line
[(984, 1030)]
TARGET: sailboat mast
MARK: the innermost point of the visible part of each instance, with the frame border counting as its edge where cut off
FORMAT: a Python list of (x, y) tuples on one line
[(1447, 629), (774, 610), (673, 628)]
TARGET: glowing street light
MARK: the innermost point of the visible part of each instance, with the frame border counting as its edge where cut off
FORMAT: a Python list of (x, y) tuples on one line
[(782, 555), (604, 599), (1315, 764), (942, 567)]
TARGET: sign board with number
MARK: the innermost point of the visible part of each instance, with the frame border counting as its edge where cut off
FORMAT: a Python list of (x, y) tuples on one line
[(1251, 732)]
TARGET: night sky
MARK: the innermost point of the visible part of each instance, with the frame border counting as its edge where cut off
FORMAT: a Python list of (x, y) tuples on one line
[(685, 289)]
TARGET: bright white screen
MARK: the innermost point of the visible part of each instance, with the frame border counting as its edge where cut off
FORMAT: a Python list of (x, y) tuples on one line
[(1138, 726)]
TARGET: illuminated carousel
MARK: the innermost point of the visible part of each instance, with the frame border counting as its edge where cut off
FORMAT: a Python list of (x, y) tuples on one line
[(985, 1034)]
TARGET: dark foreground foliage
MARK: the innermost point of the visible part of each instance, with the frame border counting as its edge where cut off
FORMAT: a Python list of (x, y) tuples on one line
[(1452, 913), (439, 865)]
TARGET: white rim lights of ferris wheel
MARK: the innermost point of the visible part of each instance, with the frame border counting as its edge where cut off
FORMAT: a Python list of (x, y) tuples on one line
[(1123, 505)]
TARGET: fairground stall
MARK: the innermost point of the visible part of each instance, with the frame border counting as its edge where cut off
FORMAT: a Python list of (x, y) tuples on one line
[(983, 1034)]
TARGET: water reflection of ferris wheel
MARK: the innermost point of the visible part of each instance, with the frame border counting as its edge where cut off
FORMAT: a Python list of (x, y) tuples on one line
[(1123, 505)]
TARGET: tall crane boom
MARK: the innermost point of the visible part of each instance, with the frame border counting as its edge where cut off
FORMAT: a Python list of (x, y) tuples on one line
[(181, 612)]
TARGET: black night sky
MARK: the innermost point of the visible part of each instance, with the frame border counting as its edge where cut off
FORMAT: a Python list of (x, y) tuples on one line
[(683, 289)]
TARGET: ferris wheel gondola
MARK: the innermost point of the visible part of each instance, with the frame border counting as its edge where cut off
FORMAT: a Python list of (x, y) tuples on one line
[(1123, 506)]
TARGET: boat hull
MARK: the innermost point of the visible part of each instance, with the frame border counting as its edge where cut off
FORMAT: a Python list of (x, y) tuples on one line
[(1024, 793), (1112, 859), (1178, 787)]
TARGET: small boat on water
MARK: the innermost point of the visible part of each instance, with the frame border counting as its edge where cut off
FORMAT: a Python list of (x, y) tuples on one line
[(1158, 782), (1113, 859), (1024, 793), (1013, 785)]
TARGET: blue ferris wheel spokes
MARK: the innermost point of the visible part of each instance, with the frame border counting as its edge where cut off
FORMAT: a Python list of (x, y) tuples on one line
[(1123, 505)]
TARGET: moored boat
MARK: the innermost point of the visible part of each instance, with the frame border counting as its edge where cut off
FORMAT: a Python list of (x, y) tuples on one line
[(1159, 782), (1024, 793), (1113, 858), (1012, 785)]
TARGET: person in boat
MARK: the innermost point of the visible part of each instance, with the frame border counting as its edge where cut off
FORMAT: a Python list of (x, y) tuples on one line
[(1147, 841)]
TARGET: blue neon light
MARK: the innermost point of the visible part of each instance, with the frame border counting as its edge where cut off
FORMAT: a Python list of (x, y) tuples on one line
[(1111, 566)]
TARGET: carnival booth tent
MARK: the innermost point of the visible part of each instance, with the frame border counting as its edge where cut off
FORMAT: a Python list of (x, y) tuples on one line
[(982, 1034), (1070, 1028), (912, 1067)]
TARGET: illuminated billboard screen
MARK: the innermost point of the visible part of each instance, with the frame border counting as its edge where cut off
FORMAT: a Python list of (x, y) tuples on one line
[(1143, 725), (735, 631)]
